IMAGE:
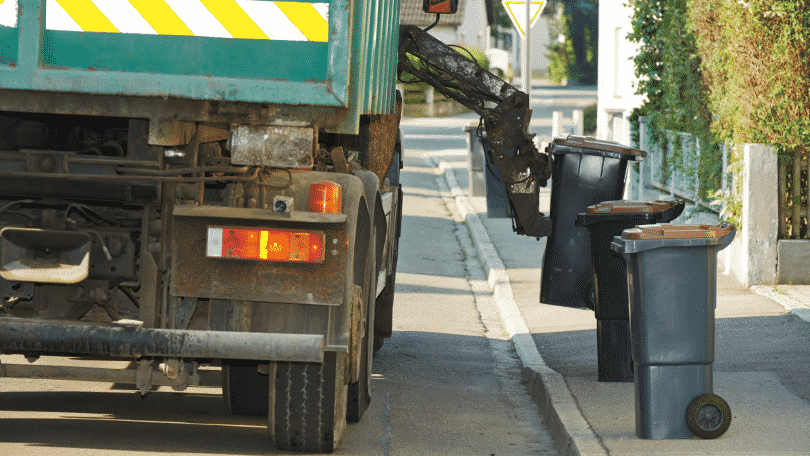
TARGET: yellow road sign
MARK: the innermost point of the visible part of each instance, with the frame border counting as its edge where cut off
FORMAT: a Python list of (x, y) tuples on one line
[(517, 12)]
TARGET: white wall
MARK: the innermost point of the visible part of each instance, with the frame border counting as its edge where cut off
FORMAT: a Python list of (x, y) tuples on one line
[(444, 34), (473, 30), (617, 81)]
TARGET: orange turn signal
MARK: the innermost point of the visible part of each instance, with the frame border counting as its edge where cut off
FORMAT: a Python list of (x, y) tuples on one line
[(325, 197)]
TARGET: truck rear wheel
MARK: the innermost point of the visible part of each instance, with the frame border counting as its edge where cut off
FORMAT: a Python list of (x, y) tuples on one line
[(359, 393), (308, 403), (244, 388)]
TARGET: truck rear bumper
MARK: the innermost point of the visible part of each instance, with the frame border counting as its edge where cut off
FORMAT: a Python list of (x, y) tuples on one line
[(21, 335)]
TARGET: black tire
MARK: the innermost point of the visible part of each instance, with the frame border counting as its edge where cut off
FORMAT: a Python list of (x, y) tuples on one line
[(708, 416), (244, 389), (359, 397), (378, 344), (384, 307), (360, 392), (309, 404)]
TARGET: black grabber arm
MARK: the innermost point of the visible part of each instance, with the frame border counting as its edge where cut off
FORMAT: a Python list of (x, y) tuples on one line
[(523, 168)]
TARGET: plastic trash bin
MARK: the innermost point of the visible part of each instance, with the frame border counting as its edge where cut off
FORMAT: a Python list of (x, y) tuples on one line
[(497, 198), (586, 171), (671, 278), (475, 160), (604, 221)]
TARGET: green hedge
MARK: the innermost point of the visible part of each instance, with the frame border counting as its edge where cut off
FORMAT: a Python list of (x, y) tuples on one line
[(757, 66), (668, 66), (732, 71)]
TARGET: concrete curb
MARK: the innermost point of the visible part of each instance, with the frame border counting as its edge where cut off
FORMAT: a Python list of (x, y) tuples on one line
[(567, 425), (791, 305)]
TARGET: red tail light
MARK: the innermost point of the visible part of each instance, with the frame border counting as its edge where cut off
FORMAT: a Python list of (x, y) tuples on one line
[(325, 197), (265, 244)]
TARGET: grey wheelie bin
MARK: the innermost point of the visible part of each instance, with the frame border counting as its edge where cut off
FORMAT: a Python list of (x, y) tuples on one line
[(475, 160), (604, 221), (485, 180), (498, 205), (586, 171), (671, 279)]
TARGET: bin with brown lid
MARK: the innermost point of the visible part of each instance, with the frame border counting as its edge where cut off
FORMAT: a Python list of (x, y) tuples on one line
[(671, 280), (586, 171), (604, 221)]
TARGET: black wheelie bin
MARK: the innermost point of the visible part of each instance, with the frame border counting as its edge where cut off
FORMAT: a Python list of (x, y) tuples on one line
[(671, 278), (604, 221), (586, 171)]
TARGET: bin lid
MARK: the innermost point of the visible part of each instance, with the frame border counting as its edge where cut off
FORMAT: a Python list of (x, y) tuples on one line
[(668, 231), (634, 212), (583, 144), (630, 206), (649, 237)]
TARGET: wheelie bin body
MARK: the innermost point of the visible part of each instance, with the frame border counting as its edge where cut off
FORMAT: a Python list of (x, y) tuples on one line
[(586, 171), (475, 160), (671, 278), (604, 221), (497, 197)]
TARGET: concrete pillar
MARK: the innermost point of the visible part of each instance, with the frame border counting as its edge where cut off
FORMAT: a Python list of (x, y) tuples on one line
[(760, 213)]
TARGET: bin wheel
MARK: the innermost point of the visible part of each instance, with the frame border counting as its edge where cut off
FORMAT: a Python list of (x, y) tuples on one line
[(708, 416)]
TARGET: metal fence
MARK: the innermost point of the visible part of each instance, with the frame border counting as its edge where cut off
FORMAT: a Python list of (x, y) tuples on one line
[(682, 180)]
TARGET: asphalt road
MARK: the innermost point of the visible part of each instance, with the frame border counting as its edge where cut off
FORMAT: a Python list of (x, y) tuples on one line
[(446, 383)]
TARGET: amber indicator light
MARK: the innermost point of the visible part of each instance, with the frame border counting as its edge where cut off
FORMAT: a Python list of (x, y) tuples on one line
[(325, 197)]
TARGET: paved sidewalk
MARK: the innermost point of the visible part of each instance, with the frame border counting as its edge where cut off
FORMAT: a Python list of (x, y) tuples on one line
[(762, 351)]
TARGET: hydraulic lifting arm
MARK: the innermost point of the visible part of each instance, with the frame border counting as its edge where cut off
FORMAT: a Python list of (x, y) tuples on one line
[(522, 167)]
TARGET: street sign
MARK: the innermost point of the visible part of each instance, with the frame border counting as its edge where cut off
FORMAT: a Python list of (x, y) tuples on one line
[(517, 12)]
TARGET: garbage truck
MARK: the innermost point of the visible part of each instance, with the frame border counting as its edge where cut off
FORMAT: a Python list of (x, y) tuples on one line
[(187, 184)]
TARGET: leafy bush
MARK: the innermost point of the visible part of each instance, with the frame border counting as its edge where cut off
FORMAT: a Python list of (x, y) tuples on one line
[(561, 56), (733, 71), (758, 68), (668, 66), (589, 119)]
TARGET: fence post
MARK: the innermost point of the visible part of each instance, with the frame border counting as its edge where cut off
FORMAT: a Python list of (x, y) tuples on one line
[(796, 213), (697, 169), (723, 187), (579, 122), (556, 124), (646, 166), (672, 171), (429, 101)]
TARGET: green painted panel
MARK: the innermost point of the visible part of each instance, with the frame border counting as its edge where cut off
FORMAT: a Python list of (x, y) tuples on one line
[(291, 61), (9, 37), (375, 54)]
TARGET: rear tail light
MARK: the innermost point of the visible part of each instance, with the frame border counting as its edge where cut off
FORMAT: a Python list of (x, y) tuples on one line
[(325, 197), (265, 244)]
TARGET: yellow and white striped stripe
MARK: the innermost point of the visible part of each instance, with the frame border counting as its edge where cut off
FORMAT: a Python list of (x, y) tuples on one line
[(8, 13), (247, 19)]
